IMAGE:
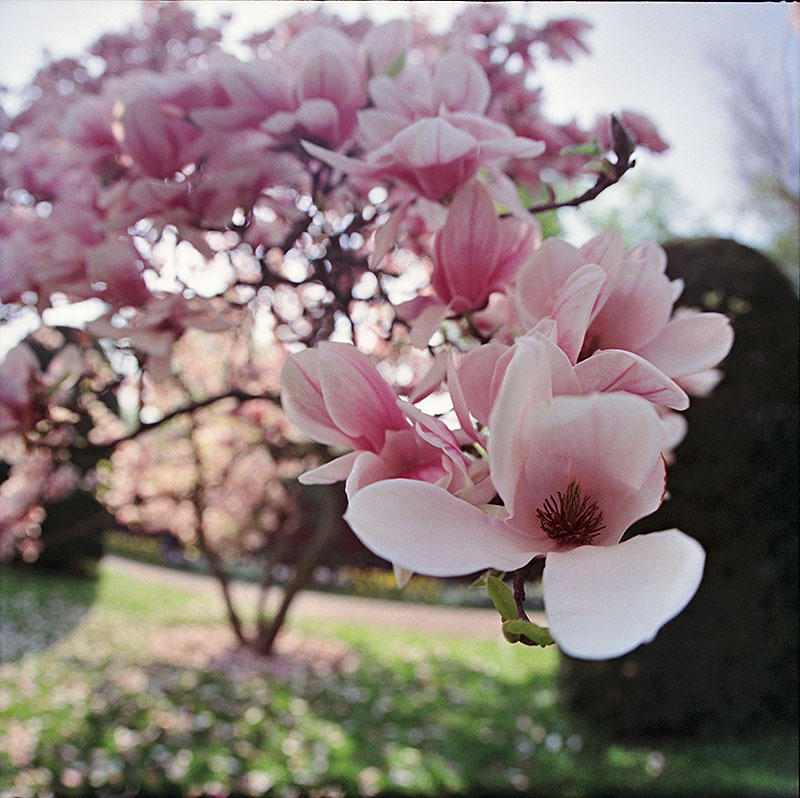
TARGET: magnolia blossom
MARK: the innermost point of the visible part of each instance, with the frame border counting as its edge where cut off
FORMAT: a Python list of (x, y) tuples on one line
[(435, 156), (573, 472), (458, 83), (475, 253), (336, 396), (603, 297), (476, 382)]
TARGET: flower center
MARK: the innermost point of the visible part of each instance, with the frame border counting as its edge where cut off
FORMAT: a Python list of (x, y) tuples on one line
[(569, 519)]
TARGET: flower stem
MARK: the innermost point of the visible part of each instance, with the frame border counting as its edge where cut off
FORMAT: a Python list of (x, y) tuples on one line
[(519, 592)]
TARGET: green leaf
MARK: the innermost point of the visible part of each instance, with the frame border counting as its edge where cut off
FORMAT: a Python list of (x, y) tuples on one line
[(582, 149), (396, 67), (501, 597), (537, 635), (512, 638), (597, 166), (481, 580)]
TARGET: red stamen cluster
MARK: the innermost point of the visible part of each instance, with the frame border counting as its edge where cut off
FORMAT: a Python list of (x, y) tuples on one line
[(570, 520)]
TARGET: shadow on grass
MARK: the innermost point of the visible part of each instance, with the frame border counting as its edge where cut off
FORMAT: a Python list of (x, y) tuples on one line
[(412, 721), (403, 715), (39, 608)]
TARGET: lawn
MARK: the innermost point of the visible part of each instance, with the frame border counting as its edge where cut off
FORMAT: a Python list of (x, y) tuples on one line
[(121, 687)]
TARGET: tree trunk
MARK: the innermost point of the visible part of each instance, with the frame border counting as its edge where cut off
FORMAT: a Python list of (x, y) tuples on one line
[(325, 534)]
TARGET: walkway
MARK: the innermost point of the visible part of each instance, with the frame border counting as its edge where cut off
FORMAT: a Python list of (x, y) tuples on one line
[(454, 621)]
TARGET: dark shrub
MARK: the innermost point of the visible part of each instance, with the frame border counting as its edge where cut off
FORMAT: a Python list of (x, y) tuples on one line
[(728, 663), (72, 534)]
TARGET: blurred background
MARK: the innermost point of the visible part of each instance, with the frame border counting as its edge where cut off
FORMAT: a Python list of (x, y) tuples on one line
[(120, 677)]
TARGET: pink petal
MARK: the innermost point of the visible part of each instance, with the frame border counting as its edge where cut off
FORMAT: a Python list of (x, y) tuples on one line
[(338, 161), (616, 370), (321, 118), (367, 468), (604, 601), (460, 402), (517, 147), (427, 323), (431, 142), (606, 250), (517, 243), (573, 306), (378, 126), (433, 378), (359, 400), (525, 392), (466, 247), (336, 470), (460, 84), (690, 344), (674, 428), (386, 234), (427, 530), (620, 434), (540, 281), (387, 43), (701, 383), (474, 375), (637, 308), (303, 402)]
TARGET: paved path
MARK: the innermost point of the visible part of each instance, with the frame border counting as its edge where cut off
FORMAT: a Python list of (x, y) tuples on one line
[(454, 621)]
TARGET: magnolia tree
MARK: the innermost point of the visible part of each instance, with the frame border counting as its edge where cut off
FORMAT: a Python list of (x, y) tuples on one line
[(351, 212)]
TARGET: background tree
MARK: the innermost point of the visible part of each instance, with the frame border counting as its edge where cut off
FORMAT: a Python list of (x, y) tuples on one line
[(763, 113), (163, 182)]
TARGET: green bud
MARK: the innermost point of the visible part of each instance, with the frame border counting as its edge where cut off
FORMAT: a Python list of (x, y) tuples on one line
[(536, 635), (501, 597)]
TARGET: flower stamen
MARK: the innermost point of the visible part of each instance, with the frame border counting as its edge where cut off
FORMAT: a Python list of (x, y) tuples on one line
[(570, 520)]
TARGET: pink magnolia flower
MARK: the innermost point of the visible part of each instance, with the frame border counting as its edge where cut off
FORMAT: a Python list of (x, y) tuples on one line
[(573, 473), (434, 156), (477, 381), (329, 86), (249, 93), (337, 397), (475, 254), (114, 268), (385, 46), (605, 298), (458, 83), (156, 134)]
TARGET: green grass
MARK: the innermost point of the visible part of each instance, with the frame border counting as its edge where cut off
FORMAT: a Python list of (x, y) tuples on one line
[(86, 708)]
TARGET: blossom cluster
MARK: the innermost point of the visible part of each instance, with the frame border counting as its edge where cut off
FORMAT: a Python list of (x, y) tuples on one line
[(564, 415), (378, 185)]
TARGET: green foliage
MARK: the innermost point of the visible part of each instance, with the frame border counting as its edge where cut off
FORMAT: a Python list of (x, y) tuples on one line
[(727, 664), (532, 633), (502, 598), (102, 713)]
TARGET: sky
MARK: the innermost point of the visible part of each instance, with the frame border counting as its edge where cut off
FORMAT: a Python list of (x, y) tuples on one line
[(651, 57)]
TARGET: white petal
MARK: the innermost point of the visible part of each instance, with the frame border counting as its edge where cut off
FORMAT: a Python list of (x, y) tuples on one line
[(401, 575), (328, 473), (424, 528), (604, 601)]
